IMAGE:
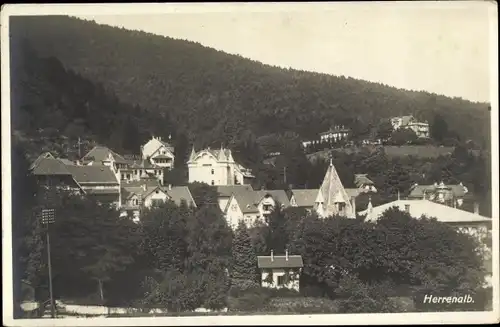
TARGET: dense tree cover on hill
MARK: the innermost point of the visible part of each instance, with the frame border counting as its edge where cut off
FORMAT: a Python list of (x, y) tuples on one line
[(52, 105), (217, 97)]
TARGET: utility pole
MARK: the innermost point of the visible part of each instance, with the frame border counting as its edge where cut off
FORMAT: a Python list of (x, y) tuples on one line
[(47, 218), (79, 149), (284, 175)]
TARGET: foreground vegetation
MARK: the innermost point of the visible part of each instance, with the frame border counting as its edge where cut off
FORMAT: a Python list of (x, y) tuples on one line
[(181, 258)]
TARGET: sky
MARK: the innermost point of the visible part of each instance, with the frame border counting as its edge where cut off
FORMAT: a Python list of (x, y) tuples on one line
[(442, 48)]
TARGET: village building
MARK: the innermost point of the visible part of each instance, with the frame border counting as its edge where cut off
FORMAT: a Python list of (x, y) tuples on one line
[(225, 192), (332, 196), (331, 199), (364, 184), (146, 193), (98, 182), (159, 153), (334, 134), (125, 169), (245, 204), (217, 167), (452, 195), (52, 172), (421, 129), (304, 198), (280, 271)]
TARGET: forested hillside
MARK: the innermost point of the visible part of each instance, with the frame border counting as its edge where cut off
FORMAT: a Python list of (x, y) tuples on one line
[(217, 97)]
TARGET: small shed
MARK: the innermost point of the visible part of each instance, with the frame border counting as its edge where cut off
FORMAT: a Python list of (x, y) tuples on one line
[(280, 271)]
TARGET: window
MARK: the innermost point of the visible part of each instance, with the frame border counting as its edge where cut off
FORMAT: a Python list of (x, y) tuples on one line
[(407, 207), (281, 280), (212, 171), (267, 207), (213, 183), (156, 202)]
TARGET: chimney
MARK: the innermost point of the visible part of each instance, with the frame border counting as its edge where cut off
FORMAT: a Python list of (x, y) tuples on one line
[(286, 254), (476, 208), (144, 187), (272, 255), (169, 187)]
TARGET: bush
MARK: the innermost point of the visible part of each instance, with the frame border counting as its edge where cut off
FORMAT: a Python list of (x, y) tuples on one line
[(282, 293), (356, 296), (247, 295)]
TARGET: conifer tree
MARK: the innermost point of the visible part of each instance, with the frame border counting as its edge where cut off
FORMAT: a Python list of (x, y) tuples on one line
[(244, 258)]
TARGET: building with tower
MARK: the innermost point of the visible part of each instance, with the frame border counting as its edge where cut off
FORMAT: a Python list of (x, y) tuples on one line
[(217, 167)]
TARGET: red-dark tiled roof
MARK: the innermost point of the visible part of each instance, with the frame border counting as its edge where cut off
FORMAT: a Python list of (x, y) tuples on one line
[(50, 166), (279, 261), (93, 174)]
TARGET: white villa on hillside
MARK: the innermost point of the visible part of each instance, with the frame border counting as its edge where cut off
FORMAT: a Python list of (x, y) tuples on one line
[(420, 128), (217, 167), (158, 152)]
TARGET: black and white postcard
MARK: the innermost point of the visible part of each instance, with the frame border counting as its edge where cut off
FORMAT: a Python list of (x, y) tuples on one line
[(250, 163)]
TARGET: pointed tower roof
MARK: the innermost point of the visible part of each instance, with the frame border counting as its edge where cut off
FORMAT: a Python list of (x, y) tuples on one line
[(229, 156), (222, 155), (333, 192), (192, 155)]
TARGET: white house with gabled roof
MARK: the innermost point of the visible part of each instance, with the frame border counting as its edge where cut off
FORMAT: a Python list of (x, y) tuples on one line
[(158, 152)]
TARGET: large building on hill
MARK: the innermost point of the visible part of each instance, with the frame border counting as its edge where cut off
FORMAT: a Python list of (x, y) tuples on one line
[(332, 135), (420, 128), (452, 195), (158, 153), (217, 167)]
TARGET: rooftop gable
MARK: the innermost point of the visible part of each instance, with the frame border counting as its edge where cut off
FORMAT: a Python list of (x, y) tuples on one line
[(278, 195), (181, 193), (92, 174), (102, 153), (50, 166)]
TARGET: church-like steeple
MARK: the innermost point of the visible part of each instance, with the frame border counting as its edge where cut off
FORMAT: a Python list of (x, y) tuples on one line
[(336, 200), (192, 155)]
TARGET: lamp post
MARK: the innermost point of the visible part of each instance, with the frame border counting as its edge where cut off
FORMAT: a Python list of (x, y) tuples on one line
[(48, 217)]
